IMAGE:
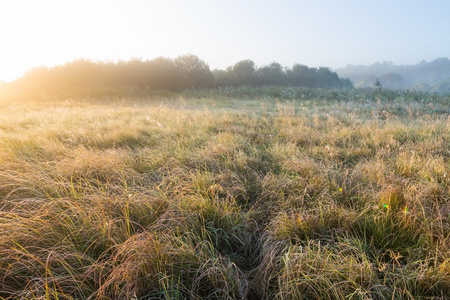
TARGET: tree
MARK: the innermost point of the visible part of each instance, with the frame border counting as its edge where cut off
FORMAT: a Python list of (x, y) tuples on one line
[(377, 84), (327, 78), (301, 75), (272, 74), (222, 78), (346, 83), (163, 74), (194, 72), (244, 72)]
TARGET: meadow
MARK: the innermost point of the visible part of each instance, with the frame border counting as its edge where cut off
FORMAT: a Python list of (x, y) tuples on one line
[(232, 194)]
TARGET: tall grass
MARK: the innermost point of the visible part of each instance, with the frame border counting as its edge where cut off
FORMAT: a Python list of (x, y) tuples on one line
[(203, 195)]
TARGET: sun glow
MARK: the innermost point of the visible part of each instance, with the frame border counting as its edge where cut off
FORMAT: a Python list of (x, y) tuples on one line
[(35, 36), (48, 33), (315, 33)]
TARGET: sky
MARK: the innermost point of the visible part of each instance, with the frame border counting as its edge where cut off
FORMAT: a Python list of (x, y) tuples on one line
[(331, 33)]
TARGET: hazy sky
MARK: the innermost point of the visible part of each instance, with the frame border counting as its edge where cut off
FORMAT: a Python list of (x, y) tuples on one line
[(316, 32)]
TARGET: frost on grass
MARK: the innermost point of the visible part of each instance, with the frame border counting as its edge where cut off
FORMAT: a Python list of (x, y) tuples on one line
[(225, 198)]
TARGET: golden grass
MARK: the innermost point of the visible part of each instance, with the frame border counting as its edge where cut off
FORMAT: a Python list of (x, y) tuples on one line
[(151, 198)]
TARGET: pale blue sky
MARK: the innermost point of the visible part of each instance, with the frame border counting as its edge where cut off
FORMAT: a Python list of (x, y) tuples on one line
[(315, 33)]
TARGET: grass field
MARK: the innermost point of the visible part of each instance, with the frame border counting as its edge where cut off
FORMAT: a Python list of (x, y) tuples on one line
[(202, 196)]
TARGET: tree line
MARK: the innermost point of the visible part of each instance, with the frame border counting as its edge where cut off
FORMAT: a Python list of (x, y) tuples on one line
[(183, 72)]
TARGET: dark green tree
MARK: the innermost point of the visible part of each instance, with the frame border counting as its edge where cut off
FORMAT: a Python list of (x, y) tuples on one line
[(194, 72), (327, 78), (302, 76), (272, 74), (244, 72), (378, 85)]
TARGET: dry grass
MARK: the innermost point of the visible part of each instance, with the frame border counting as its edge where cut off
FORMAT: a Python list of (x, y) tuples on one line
[(221, 198)]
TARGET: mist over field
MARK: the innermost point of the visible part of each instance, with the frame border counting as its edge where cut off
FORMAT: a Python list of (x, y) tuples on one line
[(231, 149), (164, 179), (244, 192), (181, 73), (431, 76)]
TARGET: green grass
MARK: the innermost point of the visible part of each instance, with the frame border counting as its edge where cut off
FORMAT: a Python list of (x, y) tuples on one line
[(234, 194)]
